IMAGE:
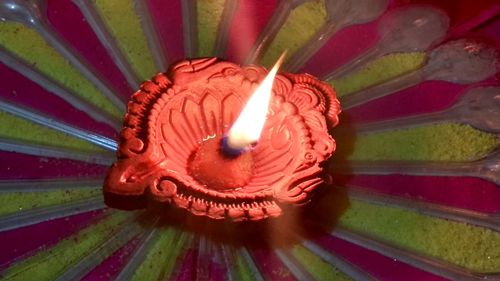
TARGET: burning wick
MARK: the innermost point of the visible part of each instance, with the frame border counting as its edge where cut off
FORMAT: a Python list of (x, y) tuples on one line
[(225, 164), (247, 129)]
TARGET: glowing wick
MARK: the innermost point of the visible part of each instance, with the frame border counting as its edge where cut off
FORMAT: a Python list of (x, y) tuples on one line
[(248, 127)]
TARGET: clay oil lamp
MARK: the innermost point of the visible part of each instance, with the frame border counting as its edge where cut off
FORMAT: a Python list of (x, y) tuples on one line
[(224, 141)]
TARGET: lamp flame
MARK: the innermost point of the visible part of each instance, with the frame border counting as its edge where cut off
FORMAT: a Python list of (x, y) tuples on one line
[(248, 127)]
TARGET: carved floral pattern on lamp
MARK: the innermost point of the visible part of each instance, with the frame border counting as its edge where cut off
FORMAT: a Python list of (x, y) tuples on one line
[(174, 120)]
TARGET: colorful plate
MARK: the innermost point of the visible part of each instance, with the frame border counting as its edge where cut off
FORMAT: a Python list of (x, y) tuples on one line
[(415, 190)]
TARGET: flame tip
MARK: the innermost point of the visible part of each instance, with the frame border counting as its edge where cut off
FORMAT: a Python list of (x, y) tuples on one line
[(249, 125), (280, 60)]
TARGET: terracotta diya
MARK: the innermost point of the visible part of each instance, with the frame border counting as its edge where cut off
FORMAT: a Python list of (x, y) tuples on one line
[(172, 147)]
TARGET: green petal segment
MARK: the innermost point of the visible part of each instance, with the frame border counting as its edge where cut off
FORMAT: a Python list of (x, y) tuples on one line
[(124, 24), (28, 45), (209, 14), (379, 71), (317, 267), (22, 201), (242, 269), (48, 264), (438, 142), (302, 23), (162, 257), (15, 128), (468, 246)]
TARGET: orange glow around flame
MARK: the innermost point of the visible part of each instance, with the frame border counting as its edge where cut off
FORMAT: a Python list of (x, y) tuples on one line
[(248, 127)]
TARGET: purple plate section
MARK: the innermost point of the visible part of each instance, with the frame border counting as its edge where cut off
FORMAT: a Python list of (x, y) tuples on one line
[(464, 192), (426, 97), (110, 267), (492, 29), (21, 166), (26, 241), (269, 265), (187, 269), (248, 21), (345, 45), (23, 92), (217, 270), (72, 26), (429, 96), (483, 16), (342, 47), (380, 267), (167, 18), (355, 39)]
